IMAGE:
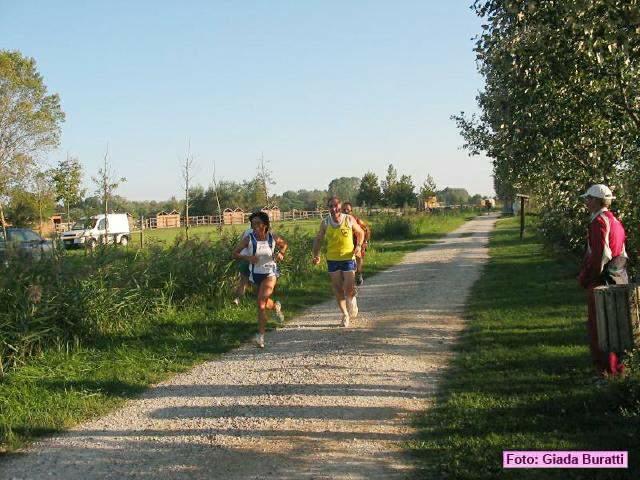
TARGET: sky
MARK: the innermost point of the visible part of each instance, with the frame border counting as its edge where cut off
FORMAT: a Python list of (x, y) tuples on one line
[(322, 89)]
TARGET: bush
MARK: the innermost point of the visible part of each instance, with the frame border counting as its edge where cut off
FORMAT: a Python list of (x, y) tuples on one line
[(72, 299), (391, 228)]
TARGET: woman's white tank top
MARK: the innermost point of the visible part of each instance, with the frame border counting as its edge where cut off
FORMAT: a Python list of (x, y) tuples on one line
[(264, 250)]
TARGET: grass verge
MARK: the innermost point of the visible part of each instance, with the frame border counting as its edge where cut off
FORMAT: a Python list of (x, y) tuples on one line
[(58, 388), (522, 377)]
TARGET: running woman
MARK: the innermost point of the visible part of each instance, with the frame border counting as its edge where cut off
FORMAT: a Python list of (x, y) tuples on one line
[(265, 249), (340, 230), (347, 208)]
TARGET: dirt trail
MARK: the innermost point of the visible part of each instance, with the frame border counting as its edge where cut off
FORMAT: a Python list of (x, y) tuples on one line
[(320, 402)]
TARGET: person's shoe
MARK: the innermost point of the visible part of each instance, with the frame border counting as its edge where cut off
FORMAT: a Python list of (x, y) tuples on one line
[(345, 321), (236, 301), (353, 307), (359, 279), (278, 312), (259, 340)]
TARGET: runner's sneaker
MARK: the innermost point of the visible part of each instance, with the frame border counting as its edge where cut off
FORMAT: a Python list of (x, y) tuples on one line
[(236, 301), (259, 340), (278, 311), (345, 321), (359, 279)]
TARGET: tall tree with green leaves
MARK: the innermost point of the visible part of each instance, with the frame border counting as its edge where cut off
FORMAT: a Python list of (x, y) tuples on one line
[(67, 178), (561, 105), (30, 121), (389, 185), (345, 188), (428, 188), (44, 196), (405, 192), (369, 193)]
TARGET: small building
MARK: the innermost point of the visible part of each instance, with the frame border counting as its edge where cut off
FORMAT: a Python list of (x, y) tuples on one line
[(275, 215), (168, 219), (233, 217)]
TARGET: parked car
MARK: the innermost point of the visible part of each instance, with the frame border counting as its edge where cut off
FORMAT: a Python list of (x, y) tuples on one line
[(88, 232), (24, 242)]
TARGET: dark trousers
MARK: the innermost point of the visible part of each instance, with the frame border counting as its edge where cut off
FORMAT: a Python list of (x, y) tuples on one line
[(605, 362)]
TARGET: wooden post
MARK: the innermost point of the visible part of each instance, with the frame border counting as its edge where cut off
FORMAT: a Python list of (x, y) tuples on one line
[(522, 198), (521, 217)]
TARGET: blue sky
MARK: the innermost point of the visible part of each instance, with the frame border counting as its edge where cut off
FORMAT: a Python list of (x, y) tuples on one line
[(324, 88)]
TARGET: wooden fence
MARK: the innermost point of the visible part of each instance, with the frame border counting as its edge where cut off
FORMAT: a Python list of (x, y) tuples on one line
[(216, 220)]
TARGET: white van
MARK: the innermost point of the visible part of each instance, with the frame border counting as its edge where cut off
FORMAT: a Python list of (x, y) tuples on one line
[(91, 231)]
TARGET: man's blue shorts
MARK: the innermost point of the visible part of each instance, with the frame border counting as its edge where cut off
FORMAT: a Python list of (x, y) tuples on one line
[(341, 266)]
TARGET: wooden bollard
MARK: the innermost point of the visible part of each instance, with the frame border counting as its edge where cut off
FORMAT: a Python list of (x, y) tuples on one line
[(617, 316)]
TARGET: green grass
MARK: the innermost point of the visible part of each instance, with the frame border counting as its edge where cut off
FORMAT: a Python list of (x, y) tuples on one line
[(61, 387), (522, 377)]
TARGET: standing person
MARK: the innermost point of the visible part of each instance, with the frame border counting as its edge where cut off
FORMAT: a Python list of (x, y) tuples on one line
[(265, 249), (604, 263), (340, 230), (347, 208), (243, 272)]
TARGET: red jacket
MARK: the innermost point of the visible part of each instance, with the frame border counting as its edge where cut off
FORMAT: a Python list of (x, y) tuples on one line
[(605, 240)]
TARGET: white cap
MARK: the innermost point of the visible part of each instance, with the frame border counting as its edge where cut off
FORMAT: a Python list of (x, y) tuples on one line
[(599, 191)]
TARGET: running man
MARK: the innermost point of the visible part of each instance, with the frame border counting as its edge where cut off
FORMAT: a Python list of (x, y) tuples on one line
[(347, 208), (340, 230), (263, 267)]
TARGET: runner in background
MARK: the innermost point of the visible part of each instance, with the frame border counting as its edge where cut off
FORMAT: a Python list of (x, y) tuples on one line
[(347, 208), (243, 271), (339, 230), (263, 249)]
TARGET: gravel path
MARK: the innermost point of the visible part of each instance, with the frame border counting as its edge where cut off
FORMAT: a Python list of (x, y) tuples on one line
[(320, 402)]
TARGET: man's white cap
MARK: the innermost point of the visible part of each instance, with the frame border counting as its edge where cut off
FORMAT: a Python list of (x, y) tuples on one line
[(599, 191)]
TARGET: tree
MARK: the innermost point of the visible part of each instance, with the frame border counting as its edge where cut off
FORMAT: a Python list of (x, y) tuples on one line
[(404, 193), (389, 185), (30, 121), (106, 184), (22, 208), (214, 181), (369, 193), (44, 196), (345, 188), (453, 196), (290, 200), (475, 199), (67, 178), (263, 181), (561, 106), (428, 188), (187, 171)]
